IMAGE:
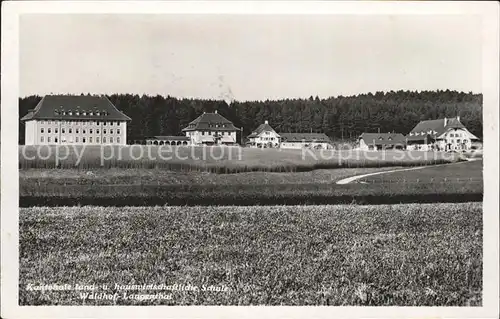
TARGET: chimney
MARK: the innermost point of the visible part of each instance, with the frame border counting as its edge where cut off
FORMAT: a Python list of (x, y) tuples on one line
[(458, 118), (266, 122), (215, 112), (445, 121)]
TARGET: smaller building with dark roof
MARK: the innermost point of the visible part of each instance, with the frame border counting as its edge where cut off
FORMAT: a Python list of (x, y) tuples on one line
[(305, 140), (381, 141), (75, 119)]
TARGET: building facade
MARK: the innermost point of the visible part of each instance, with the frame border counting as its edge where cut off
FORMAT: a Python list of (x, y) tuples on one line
[(381, 141), (211, 129), (447, 134), (264, 136), (305, 140), (70, 119), (169, 140)]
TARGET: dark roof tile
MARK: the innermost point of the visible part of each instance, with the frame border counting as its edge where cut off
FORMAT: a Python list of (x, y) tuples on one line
[(412, 138), (304, 137), (176, 138), (210, 122), (66, 107), (436, 126), (383, 138), (261, 128)]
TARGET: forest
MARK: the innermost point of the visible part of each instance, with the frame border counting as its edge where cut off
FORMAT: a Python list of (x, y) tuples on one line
[(341, 118)]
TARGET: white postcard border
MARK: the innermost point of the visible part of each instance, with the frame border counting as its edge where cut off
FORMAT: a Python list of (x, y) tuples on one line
[(9, 155)]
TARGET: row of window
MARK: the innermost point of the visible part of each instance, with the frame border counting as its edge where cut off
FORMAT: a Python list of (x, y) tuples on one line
[(213, 133), (78, 112), (216, 125), (77, 130), (210, 125), (267, 138), (423, 133), (434, 132), (82, 122), (84, 140), (458, 141), (209, 133)]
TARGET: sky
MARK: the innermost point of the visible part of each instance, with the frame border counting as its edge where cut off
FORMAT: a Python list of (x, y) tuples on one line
[(248, 57)]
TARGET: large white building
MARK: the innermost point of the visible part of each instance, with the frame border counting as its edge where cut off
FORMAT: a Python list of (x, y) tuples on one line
[(264, 136), (447, 134), (211, 129), (75, 119)]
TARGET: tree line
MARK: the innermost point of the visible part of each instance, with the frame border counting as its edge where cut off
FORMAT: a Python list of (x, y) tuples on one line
[(341, 117)]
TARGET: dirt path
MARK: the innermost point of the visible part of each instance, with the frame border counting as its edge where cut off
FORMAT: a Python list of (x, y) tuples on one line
[(354, 178)]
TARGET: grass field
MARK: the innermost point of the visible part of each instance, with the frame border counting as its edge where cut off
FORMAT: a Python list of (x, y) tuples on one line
[(280, 194), (120, 176), (411, 254), (150, 187), (218, 159), (470, 171)]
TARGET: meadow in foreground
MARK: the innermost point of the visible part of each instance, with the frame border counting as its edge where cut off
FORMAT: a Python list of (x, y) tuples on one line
[(149, 187), (411, 254)]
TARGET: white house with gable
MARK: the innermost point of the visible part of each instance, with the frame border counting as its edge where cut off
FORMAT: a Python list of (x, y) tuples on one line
[(447, 134), (264, 136), (211, 129)]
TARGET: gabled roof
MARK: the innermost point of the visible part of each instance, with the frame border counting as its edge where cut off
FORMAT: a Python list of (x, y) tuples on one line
[(73, 107), (412, 138), (210, 122), (436, 127), (305, 137), (227, 139), (382, 138), (261, 128)]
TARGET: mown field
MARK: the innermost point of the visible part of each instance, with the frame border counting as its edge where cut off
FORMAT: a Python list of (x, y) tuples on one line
[(218, 159), (120, 176), (470, 171), (279, 194), (395, 255), (150, 187)]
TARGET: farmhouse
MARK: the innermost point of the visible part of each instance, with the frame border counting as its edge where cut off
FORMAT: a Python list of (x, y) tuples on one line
[(211, 129), (381, 141), (264, 136), (305, 140), (447, 134), (75, 119)]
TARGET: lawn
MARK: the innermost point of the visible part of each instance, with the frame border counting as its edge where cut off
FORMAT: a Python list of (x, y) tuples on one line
[(150, 187), (218, 159), (470, 171), (394, 255), (244, 195), (120, 176)]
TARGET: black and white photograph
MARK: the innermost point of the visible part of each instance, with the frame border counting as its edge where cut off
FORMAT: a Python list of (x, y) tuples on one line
[(250, 158)]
